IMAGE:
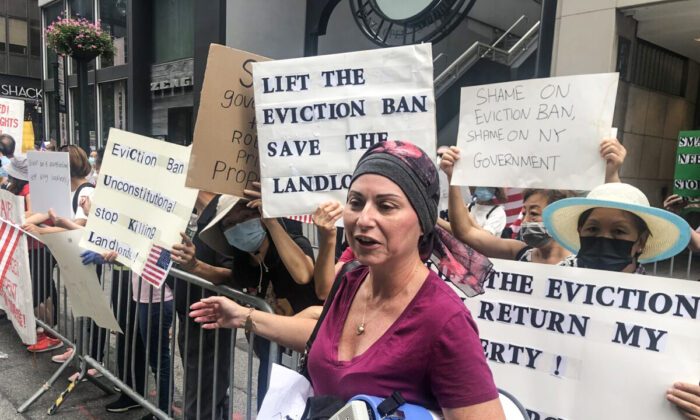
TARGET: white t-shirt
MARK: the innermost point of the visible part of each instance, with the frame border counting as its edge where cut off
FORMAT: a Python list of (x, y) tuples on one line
[(84, 192), (496, 221)]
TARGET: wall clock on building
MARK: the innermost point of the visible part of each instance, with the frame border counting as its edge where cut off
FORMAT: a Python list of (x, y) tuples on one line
[(391, 23)]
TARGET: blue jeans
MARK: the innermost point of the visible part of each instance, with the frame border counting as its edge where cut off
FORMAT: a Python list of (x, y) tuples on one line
[(164, 384)]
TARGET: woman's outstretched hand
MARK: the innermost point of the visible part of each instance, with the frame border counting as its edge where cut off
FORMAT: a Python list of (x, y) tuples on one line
[(219, 312)]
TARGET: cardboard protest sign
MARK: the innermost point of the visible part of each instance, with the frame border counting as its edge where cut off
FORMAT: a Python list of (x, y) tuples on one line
[(49, 182), (12, 120), (573, 343), (540, 133), (140, 199), (16, 293), (85, 296), (316, 116), (224, 156), (686, 181)]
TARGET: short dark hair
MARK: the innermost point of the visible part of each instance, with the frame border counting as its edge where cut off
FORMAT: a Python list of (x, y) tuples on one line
[(8, 144), (639, 223), (550, 195)]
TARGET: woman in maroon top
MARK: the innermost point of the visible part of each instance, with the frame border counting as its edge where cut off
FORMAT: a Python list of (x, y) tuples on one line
[(393, 324)]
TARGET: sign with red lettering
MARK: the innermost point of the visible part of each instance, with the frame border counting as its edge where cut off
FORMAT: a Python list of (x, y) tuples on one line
[(12, 120), (224, 156), (16, 291)]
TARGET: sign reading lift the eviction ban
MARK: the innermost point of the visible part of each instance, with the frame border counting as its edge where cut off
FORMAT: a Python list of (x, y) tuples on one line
[(316, 116), (140, 198), (540, 133), (578, 344), (224, 156)]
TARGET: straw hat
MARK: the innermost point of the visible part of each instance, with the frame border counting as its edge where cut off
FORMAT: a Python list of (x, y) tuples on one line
[(669, 233), (18, 168)]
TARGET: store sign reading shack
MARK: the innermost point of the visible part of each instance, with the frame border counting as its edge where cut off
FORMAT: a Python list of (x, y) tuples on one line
[(20, 87)]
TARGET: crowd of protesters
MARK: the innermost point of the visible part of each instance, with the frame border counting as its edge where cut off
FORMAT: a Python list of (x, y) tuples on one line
[(370, 273)]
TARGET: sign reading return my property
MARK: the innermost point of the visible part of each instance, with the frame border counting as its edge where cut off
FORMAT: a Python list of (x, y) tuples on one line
[(686, 181), (316, 116), (140, 198), (579, 344), (540, 133), (224, 155)]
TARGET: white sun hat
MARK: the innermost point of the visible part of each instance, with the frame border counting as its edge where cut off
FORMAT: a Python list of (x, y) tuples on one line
[(670, 234)]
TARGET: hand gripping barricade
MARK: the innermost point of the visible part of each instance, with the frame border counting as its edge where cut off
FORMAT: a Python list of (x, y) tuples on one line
[(219, 381)]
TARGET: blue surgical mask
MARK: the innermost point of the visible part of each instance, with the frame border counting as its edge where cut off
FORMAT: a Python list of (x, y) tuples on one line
[(247, 236), (484, 193), (91, 160)]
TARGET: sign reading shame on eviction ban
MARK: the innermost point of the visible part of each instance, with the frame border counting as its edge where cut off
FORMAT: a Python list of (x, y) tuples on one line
[(140, 198), (224, 156), (686, 181), (12, 120), (316, 116), (16, 292), (578, 344), (540, 133), (49, 182)]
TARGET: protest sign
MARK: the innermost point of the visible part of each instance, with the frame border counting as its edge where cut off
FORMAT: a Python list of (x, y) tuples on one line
[(140, 199), (49, 182), (686, 181), (540, 133), (316, 116), (578, 344), (12, 120), (85, 296), (16, 292), (28, 137), (224, 156)]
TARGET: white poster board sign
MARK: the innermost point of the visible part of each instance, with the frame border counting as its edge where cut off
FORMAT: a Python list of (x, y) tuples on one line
[(12, 120), (16, 292), (85, 295), (539, 133), (49, 182), (140, 198), (316, 116), (579, 344)]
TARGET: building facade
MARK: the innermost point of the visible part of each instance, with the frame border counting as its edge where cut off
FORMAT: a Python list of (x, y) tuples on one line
[(20, 58)]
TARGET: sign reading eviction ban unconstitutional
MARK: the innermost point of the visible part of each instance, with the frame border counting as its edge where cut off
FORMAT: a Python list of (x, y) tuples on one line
[(140, 198), (540, 133), (579, 344), (317, 115)]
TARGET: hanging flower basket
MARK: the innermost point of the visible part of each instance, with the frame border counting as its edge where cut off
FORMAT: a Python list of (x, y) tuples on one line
[(78, 38)]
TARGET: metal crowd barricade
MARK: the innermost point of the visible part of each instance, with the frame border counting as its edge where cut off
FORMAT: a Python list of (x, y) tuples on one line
[(96, 348)]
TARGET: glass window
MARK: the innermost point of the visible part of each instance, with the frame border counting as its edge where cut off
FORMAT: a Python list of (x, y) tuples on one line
[(17, 8), (18, 36), (3, 39), (91, 115), (51, 13), (113, 107), (173, 25), (113, 20), (34, 38)]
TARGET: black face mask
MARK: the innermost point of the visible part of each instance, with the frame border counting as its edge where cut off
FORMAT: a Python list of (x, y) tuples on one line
[(602, 253)]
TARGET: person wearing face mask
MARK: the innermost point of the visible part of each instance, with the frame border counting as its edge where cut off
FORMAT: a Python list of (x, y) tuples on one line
[(615, 229), (268, 262), (486, 209), (536, 245)]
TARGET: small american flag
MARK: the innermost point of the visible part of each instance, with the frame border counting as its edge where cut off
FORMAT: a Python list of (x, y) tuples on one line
[(304, 218), (157, 266), (9, 238)]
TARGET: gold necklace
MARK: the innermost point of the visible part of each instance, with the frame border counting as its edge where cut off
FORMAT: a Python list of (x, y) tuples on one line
[(361, 328)]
